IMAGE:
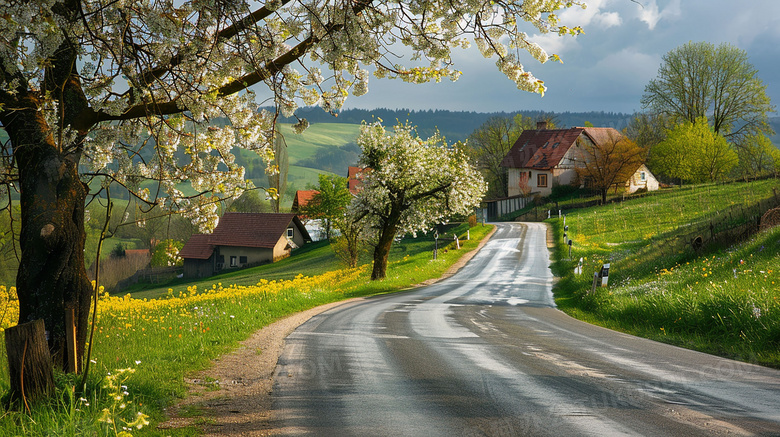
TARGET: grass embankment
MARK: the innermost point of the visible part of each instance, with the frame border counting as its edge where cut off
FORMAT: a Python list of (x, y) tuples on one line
[(164, 339), (724, 301)]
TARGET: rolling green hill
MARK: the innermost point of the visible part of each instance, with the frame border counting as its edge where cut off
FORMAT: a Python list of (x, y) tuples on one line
[(719, 296)]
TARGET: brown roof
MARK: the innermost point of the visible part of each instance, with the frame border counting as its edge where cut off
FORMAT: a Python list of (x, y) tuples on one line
[(242, 229), (197, 247), (543, 149), (603, 135)]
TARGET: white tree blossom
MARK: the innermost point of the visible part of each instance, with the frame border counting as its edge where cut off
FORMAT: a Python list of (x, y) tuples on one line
[(411, 184)]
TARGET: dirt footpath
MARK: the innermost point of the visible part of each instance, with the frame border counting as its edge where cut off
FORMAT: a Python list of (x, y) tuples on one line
[(233, 396)]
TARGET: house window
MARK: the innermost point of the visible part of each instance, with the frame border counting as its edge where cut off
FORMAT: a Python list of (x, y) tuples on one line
[(541, 180), (642, 176), (242, 260), (233, 262), (289, 232)]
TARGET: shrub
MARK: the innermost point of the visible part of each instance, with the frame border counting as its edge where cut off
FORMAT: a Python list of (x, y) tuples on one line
[(166, 254)]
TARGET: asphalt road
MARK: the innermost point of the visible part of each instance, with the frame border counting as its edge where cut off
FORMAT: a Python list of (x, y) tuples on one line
[(486, 352)]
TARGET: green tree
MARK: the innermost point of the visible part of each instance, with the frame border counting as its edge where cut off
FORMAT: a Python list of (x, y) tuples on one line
[(348, 245), (610, 162), (647, 129), (330, 203), (694, 152), (134, 92), (249, 201), (410, 184), (698, 80), (757, 157), (489, 144), (166, 254)]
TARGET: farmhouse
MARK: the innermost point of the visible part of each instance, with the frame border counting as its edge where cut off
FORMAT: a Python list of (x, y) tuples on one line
[(542, 158), (242, 240)]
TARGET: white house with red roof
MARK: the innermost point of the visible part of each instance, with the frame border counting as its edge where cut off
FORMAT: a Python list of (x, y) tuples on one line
[(242, 240)]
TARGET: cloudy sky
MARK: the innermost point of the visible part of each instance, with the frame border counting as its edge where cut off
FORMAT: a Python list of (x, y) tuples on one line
[(605, 69)]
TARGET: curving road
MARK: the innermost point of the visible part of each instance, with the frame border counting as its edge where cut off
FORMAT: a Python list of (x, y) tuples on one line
[(485, 352)]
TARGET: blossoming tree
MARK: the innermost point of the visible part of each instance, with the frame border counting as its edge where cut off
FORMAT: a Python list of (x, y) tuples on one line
[(410, 184), (96, 92)]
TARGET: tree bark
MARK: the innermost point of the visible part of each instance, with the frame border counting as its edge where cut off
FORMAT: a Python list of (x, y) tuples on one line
[(51, 275), (381, 253), (386, 236), (29, 362)]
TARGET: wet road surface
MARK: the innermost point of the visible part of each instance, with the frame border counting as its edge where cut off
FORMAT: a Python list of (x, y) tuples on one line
[(485, 352)]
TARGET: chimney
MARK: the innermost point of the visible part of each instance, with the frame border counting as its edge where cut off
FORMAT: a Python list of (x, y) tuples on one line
[(541, 125)]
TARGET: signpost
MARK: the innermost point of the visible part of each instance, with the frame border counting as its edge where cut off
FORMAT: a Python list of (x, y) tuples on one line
[(604, 275)]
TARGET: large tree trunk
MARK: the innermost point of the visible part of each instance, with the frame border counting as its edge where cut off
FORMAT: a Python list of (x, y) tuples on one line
[(386, 236), (51, 275), (381, 253)]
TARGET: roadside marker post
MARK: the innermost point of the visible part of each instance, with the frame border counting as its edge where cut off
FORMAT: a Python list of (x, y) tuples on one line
[(595, 282), (604, 275)]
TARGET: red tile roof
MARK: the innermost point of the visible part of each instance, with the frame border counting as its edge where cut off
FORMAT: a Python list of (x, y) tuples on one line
[(242, 229), (540, 149), (302, 197)]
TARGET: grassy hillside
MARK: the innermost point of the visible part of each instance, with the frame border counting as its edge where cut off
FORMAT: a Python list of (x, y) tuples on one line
[(720, 299), (318, 135)]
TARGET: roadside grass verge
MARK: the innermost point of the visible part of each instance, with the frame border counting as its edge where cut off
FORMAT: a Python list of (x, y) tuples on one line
[(164, 339), (724, 301)]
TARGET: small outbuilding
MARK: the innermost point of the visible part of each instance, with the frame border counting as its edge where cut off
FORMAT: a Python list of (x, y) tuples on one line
[(243, 240), (641, 179)]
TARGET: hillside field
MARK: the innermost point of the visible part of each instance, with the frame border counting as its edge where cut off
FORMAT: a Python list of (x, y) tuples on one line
[(722, 299)]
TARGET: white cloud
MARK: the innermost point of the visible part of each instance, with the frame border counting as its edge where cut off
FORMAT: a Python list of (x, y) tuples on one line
[(651, 14), (593, 15), (576, 16), (608, 19)]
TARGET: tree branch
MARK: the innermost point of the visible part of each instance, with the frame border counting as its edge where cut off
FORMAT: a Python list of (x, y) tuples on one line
[(224, 34), (90, 117)]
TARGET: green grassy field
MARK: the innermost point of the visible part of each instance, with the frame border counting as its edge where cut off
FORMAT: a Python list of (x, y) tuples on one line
[(144, 346), (722, 300), (305, 145)]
